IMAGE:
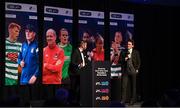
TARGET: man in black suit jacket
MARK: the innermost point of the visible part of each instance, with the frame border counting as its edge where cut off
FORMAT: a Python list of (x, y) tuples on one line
[(130, 69), (78, 63)]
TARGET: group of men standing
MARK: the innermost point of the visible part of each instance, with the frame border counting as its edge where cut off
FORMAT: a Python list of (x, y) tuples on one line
[(22, 59)]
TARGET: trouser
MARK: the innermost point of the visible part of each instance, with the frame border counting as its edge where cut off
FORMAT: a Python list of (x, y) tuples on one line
[(75, 87), (129, 79)]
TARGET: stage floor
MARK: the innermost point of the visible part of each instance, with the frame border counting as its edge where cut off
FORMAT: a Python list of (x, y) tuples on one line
[(40, 103), (138, 104)]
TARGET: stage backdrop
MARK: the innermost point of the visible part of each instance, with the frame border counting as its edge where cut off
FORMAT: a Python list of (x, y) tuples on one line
[(57, 18), (122, 23), (21, 14), (91, 22)]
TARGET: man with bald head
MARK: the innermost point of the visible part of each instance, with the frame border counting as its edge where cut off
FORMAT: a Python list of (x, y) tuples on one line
[(53, 60)]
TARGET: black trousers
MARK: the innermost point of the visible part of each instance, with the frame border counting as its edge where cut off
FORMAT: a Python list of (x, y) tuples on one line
[(75, 87), (66, 83), (131, 80)]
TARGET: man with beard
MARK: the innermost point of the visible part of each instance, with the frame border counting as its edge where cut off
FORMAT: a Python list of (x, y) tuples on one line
[(90, 43)]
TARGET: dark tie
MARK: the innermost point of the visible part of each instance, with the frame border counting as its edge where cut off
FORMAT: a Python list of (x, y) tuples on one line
[(127, 53)]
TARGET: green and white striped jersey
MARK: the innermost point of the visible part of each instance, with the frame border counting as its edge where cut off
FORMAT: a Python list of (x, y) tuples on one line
[(11, 65)]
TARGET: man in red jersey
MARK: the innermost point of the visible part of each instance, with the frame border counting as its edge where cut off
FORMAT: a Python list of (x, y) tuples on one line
[(53, 60)]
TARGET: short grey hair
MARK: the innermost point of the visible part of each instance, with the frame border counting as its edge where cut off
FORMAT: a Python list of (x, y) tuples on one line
[(51, 30)]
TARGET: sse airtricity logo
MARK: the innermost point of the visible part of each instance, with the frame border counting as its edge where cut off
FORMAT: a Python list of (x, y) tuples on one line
[(102, 90), (103, 83)]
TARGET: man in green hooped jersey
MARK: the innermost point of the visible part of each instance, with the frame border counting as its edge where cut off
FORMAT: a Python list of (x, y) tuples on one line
[(12, 51), (67, 47)]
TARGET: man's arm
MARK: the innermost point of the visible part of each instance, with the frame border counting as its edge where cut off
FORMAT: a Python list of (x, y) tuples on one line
[(59, 63), (20, 56), (74, 58), (37, 71), (138, 60)]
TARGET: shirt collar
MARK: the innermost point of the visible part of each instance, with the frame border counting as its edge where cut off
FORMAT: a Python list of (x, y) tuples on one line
[(62, 46), (130, 50), (80, 49)]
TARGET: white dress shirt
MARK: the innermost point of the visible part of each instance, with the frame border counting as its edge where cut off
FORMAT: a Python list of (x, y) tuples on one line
[(130, 52), (82, 56)]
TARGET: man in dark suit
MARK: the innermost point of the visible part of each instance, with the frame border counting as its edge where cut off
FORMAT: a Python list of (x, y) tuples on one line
[(78, 63), (130, 69)]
